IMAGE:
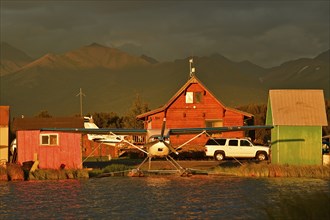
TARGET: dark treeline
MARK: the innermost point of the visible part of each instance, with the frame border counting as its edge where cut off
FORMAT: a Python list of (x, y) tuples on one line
[(259, 111), (112, 119)]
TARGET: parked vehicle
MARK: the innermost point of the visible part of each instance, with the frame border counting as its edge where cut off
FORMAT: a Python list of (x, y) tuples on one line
[(221, 148), (325, 147)]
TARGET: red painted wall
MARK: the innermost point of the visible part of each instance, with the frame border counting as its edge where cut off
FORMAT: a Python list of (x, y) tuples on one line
[(190, 115), (67, 152)]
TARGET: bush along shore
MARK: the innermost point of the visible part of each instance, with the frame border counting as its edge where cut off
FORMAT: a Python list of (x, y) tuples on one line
[(15, 172)]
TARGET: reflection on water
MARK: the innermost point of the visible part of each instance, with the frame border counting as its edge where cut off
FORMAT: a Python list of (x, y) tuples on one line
[(197, 197)]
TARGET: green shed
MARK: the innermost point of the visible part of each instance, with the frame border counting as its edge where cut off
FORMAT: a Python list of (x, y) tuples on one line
[(297, 117)]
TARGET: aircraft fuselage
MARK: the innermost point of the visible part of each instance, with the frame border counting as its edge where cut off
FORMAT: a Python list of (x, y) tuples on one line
[(158, 150)]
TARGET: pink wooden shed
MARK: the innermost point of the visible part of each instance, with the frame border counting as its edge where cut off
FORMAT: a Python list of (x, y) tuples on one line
[(52, 149)]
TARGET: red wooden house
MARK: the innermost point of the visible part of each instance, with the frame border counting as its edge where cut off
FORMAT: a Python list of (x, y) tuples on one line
[(53, 149), (195, 106)]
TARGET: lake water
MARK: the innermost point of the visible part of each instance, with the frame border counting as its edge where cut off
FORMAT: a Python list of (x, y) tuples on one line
[(167, 197)]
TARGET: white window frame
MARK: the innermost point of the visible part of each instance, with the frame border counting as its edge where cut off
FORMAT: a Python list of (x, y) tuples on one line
[(48, 142), (189, 97)]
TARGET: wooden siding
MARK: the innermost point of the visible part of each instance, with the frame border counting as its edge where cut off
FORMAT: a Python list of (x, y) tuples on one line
[(190, 115), (67, 152)]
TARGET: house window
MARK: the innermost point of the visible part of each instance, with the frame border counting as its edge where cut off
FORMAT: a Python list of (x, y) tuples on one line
[(189, 97), (198, 97), (194, 97), (49, 139)]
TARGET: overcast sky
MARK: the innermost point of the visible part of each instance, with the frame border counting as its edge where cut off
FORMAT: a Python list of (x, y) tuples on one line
[(264, 32)]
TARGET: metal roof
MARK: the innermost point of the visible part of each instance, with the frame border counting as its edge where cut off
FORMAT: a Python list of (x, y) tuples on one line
[(38, 123), (298, 107)]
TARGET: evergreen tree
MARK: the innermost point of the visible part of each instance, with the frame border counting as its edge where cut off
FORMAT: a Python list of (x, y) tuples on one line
[(107, 120), (138, 107), (43, 114)]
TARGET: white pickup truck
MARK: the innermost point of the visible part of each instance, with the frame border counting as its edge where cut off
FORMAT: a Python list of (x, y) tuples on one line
[(221, 148)]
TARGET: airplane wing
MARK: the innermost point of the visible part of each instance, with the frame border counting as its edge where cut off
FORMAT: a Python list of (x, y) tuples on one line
[(214, 130), (172, 131)]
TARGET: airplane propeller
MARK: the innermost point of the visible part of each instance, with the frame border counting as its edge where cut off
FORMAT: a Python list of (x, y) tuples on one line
[(162, 138)]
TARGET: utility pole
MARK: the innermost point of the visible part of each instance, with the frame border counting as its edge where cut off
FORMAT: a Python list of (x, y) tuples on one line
[(81, 94)]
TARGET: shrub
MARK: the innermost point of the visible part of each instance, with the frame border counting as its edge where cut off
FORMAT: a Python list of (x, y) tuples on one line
[(15, 172), (3, 174)]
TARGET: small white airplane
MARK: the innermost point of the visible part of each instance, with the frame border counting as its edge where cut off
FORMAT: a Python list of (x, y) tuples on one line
[(104, 138)]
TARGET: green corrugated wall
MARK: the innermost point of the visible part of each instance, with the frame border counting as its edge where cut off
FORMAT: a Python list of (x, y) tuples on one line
[(296, 145)]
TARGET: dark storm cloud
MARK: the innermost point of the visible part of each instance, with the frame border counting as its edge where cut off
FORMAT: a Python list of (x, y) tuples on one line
[(264, 32)]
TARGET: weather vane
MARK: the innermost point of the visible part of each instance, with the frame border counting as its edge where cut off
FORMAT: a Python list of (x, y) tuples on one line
[(192, 69)]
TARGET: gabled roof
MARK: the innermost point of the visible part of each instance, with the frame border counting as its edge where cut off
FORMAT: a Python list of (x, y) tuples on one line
[(298, 107), (192, 80), (38, 123)]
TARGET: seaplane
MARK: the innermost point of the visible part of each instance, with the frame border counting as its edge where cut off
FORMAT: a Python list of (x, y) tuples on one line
[(158, 145)]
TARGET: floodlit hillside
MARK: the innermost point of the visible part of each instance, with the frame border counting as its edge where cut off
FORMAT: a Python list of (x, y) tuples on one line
[(12, 59)]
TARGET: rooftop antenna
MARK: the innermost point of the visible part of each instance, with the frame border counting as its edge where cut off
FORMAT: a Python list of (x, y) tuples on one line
[(192, 69), (81, 94)]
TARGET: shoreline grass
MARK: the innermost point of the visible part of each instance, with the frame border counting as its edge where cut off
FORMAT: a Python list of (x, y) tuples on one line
[(14, 172), (271, 170), (111, 170)]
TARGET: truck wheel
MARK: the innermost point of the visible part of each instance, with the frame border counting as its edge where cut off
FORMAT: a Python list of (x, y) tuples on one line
[(219, 156), (261, 156)]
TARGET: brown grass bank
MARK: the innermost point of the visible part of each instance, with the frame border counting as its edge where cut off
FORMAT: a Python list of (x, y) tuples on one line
[(271, 170), (15, 172)]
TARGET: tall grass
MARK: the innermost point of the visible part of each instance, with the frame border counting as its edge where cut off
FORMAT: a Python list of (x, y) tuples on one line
[(270, 170), (111, 170), (50, 174)]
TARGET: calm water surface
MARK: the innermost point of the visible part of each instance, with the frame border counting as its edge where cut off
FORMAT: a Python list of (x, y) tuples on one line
[(197, 197)]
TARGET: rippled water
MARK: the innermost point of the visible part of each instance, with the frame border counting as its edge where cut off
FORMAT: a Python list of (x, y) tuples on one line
[(197, 197)]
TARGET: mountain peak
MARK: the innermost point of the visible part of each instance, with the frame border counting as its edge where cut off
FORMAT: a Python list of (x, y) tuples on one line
[(8, 52), (323, 56), (96, 45), (149, 59), (97, 55), (12, 59)]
